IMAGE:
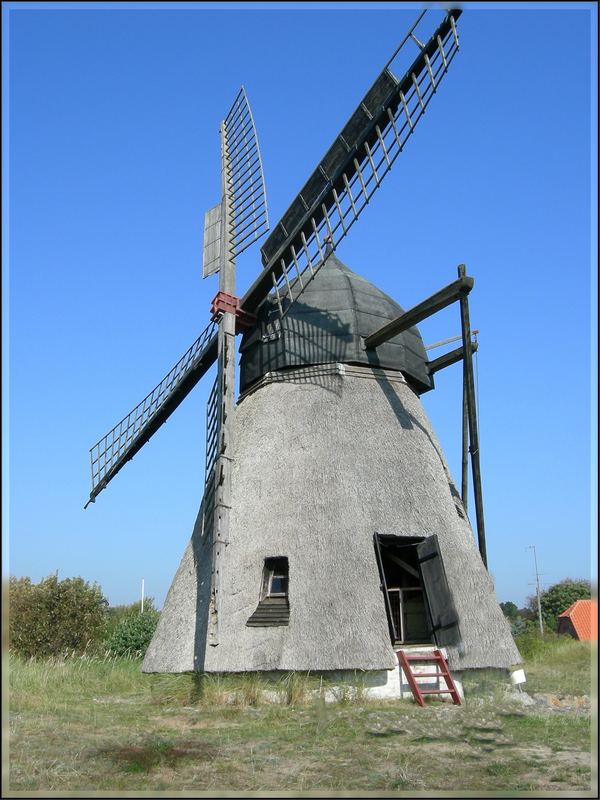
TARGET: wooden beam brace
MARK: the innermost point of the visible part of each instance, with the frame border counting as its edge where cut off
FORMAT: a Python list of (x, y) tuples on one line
[(411, 570), (449, 294), (464, 484), (449, 358), (472, 419)]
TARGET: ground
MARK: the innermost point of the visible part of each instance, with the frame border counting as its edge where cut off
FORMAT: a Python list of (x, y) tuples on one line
[(90, 724)]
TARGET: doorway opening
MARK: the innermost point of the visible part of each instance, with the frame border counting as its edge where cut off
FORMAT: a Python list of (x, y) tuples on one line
[(418, 601), (406, 603)]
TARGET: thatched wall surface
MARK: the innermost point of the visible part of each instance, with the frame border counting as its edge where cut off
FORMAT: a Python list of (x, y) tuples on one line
[(324, 457)]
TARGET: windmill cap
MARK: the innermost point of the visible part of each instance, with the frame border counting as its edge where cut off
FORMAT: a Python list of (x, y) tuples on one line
[(327, 324)]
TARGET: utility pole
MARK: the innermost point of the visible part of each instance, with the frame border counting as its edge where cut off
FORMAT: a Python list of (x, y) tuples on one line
[(142, 603), (537, 589)]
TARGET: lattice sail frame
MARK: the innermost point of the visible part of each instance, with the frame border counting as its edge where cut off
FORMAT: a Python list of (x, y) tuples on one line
[(295, 256), (213, 448), (115, 448), (249, 216), (213, 428), (247, 197), (312, 228)]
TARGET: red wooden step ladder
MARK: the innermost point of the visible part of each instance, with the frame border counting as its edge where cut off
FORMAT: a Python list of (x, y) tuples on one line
[(442, 671)]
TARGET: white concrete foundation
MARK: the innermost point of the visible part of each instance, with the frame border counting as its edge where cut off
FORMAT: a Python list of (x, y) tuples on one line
[(390, 684)]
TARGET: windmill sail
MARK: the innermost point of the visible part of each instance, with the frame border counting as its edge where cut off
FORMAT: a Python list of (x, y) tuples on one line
[(248, 213), (317, 220), (243, 217), (352, 169), (121, 443), (229, 228), (249, 216)]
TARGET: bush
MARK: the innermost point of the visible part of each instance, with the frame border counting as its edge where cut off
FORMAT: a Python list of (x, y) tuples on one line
[(519, 619), (544, 650), (510, 610), (116, 614), (531, 643), (520, 625), (53, 617), (132, 632)]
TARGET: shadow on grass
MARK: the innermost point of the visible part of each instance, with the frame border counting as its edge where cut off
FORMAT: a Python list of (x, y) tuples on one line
[(426, 738), (157, 753)]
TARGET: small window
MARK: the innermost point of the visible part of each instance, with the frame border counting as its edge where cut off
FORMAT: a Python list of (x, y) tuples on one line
[(271, 327), (275, 580), (273, 607)]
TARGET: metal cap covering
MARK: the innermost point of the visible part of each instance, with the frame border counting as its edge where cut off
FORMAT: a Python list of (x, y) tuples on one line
[(326, 325)]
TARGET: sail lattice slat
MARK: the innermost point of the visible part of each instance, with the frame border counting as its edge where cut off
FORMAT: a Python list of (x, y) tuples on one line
[(351, 172), (249, 217), (213, 426), (121, 443)]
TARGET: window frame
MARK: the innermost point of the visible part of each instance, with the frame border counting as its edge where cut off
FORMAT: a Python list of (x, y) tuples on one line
[(275, 567)]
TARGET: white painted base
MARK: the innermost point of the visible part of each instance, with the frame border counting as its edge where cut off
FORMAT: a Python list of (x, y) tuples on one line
[(392, 684), (381, 684)]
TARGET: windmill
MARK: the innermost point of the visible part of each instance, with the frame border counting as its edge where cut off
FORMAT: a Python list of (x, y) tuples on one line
[(330, 530)]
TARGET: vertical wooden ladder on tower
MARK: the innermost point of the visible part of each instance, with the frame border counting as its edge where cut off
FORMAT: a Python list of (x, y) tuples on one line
[(405, 660)]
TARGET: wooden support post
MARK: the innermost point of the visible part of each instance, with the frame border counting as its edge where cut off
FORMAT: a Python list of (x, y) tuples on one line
[(441, 363), (449, 294), (226, 378), (465, 444), (448, 359), (472, 418)]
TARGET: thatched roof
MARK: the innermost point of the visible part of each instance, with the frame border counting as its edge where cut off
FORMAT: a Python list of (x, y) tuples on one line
[(324, 457), (326, 325)]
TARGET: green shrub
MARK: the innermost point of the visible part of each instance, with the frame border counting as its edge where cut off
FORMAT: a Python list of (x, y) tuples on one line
[(52, 617), (116, 614), (532, 645), (520, 625), (510, 610), (132, 632)]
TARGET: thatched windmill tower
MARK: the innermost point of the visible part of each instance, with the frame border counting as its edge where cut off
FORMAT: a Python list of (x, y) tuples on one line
[(330, 531), (354, 453)]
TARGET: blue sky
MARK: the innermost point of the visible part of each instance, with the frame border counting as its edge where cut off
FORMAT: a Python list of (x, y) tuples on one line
[(111, 118)]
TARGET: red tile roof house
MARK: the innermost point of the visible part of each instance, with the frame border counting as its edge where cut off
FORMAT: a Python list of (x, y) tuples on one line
[(580, 620)]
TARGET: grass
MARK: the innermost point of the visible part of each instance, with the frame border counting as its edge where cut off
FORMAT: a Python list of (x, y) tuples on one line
[(557, 664), (94, 724)]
